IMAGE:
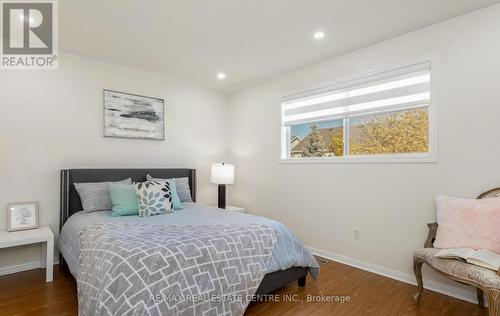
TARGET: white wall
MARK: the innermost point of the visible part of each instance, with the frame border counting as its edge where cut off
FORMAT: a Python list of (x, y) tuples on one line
[(389, 203), (53, 119)]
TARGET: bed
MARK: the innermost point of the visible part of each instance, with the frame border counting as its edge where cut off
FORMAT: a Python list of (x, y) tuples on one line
[(290, 261)]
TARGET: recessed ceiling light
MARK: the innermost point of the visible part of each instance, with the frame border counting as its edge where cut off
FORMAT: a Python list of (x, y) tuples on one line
[(221, 76), (319, 35)]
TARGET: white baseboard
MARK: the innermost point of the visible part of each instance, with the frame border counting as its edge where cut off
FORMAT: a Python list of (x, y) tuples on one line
[(466, 295), (24, 267)]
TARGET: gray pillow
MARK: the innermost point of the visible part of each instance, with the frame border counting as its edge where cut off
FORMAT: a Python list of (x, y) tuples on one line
[(181, 186), (95, 195)]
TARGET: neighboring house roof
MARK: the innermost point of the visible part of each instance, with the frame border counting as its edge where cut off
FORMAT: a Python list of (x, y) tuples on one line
[(294, 141), (326, 134)]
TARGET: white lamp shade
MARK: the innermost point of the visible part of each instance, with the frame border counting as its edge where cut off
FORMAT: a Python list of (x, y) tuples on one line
[(222, 173)]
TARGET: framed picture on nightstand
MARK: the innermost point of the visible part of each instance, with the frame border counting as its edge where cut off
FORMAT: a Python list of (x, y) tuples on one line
[(21, 216)]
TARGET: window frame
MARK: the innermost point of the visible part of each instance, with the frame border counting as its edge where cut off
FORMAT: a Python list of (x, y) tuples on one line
[(429, 157)]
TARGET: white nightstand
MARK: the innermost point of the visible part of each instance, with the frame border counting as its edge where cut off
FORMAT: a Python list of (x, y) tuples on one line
[(232, 208), (25, 237)]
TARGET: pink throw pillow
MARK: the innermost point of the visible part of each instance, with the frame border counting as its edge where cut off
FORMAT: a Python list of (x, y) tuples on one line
[(468, 223)]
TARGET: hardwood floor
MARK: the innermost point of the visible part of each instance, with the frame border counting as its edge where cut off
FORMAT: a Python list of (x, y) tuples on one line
[(26, 293)]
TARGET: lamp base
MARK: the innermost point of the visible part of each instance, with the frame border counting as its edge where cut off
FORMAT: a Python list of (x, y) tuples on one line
[(222, 196)]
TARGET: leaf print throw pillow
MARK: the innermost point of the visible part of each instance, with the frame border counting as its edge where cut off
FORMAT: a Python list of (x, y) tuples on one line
[(153, 198)]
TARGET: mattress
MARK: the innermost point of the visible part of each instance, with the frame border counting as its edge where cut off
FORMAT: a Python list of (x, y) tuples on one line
[(288, 252)]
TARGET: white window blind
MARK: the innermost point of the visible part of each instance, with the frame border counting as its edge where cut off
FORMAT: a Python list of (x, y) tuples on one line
[(403, 88)]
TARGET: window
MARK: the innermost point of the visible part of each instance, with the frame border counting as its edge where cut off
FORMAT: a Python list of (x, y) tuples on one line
[(387, 114)]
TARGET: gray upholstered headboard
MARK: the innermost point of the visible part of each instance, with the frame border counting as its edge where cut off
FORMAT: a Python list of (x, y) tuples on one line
[(70, 201)]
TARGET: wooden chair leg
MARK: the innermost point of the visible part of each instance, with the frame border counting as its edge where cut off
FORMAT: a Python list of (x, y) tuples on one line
[(417, 269), (493, 301), (480, 297)]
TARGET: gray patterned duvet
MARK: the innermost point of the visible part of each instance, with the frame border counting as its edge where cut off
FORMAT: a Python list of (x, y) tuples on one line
[(288, 252), (160, 270)]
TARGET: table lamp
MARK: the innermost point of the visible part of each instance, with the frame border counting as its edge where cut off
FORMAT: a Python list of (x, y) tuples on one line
[(222, 174)]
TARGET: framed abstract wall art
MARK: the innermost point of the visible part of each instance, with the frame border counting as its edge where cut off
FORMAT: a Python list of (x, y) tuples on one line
[(133, 116)]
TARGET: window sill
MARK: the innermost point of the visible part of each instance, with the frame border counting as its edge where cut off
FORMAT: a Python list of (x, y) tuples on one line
[(403, 158)]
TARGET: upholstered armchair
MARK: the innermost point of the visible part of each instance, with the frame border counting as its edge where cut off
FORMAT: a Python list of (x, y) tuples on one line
[(485, 280)]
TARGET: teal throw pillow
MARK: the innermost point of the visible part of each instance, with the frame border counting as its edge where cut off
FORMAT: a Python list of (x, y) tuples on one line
[(175, 197), (123, 199)]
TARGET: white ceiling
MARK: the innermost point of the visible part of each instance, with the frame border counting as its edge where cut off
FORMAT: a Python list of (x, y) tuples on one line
[(249, 40)]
